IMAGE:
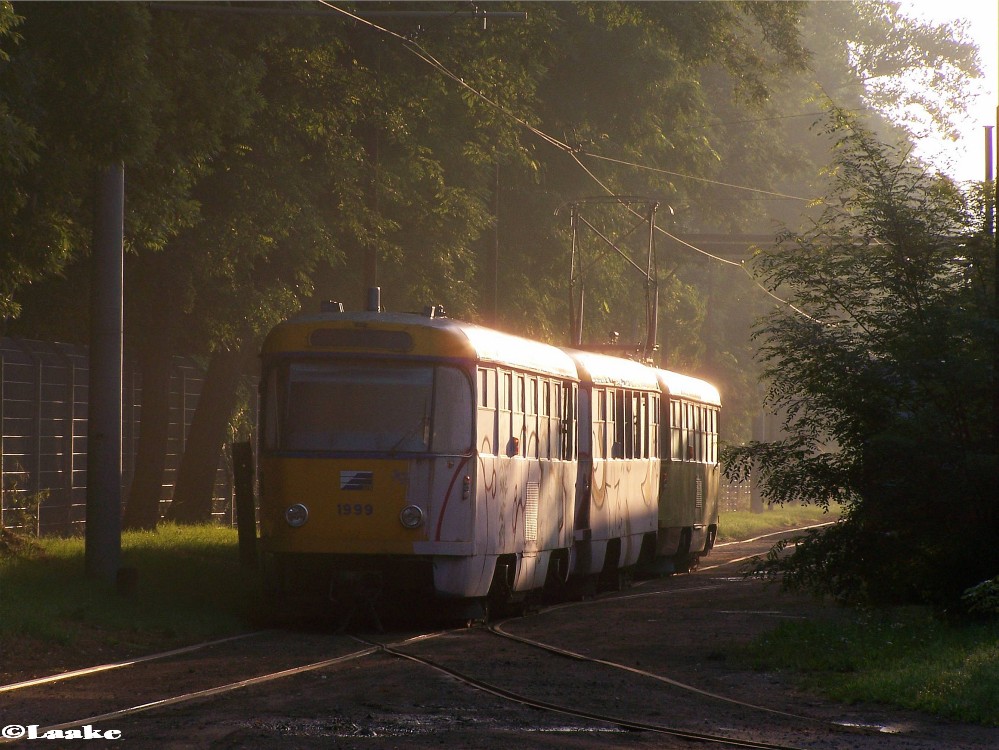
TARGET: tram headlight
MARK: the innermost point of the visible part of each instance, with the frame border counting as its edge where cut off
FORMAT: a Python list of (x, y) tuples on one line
[(411, 517), (296, 515)]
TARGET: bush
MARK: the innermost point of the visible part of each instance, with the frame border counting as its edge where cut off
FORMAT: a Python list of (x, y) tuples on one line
[(883, 370), (983, 599)]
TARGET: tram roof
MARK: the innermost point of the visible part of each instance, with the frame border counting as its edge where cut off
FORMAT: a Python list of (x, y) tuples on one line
[(416, 335), (603, 369), (685, 386)]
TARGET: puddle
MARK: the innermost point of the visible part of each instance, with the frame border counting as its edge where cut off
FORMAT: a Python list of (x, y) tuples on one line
[(408, 725), (879, 728), (567, 729)]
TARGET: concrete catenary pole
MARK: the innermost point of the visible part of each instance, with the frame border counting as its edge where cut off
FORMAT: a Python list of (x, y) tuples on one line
[(103, 529)]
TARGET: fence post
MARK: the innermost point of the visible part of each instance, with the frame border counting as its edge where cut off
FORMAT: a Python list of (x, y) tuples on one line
[(246, 515)]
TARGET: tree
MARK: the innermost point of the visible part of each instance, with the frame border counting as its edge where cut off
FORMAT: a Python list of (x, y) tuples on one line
[(65, 113), (17, 153), (268, 178), (884, 373), (918, 73), (625, 84)]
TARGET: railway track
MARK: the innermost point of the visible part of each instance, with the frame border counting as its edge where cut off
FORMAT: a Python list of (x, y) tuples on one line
[(630, 724), (454, 653)]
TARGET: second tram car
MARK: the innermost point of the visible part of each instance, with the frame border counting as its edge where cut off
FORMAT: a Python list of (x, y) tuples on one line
[(618, 486)]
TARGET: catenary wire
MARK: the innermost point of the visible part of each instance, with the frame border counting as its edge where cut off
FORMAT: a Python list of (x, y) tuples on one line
[(698, 179), (421, 53)]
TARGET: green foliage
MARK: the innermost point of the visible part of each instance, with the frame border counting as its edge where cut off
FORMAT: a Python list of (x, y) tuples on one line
[(918, 72), (271, 160), (67, 110), (901, 657), (20, 510), (20, 506), (884, 384), (983, 598)]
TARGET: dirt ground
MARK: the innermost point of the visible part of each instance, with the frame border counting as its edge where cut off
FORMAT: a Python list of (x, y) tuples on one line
[(682, 629)]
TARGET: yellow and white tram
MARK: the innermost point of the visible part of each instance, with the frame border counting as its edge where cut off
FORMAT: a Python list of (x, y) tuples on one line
[(410, 458), (414, 455)]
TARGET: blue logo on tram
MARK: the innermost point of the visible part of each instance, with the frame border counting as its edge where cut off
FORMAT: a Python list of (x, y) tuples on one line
[(357, 480)]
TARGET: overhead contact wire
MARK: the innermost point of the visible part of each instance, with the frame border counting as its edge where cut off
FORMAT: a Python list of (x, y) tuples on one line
[(421, 53), (699, 179)]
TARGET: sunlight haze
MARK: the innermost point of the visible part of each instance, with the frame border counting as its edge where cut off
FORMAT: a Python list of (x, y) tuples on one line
[(965, 160)]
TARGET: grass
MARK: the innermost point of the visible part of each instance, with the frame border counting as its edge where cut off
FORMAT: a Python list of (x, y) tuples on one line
[(902, 657), (736, 525), (190, 587)]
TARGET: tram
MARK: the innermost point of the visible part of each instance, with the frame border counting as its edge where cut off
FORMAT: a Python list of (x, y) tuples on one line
[(412, 456)]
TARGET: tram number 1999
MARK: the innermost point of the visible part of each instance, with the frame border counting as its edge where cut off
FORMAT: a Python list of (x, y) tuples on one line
[(354, 509)]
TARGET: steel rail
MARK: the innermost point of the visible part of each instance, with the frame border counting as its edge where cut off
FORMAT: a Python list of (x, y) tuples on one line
[(208, 692), (618, 721), (221, 689), (393, 650), (123, 663), (497, 630)]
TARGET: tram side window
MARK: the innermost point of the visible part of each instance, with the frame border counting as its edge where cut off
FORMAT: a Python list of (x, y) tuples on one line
[(713, 436), (627, 425), (652, 449), (505, 413), (698, 434), (644, 424), (676, 429), (633, 439), (599, 412), (487, 411), (568, 418), (641, 425), (617, 407), (688, 431), (519, 429), (531, 418), (705, 434), (452, 427), (566, 421), (545, 419), (638, 426)]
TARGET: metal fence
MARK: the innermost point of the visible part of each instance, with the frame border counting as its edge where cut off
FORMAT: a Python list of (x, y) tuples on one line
[(43, 437), (735, 496), (43, 434)]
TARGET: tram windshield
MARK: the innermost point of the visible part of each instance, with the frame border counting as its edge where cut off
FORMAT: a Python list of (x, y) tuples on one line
[(368, 407)]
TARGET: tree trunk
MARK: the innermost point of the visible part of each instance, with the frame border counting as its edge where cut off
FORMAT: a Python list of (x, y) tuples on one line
[(192, 496), (143, 508)]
